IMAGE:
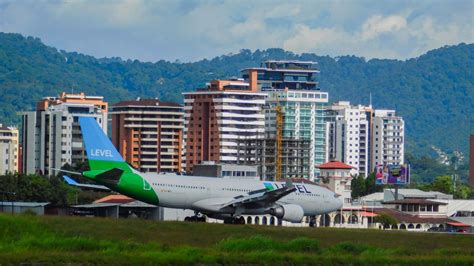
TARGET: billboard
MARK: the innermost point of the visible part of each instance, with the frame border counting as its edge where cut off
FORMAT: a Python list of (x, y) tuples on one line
[(392, 174)]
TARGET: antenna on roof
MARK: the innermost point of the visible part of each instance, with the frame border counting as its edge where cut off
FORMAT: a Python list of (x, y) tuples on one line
[(370, 99)]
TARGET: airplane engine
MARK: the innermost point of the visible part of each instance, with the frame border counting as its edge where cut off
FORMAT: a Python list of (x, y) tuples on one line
[(289, 212)]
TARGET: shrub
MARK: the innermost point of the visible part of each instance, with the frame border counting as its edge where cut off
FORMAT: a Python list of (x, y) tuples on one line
[(349, 247), (29, 212)]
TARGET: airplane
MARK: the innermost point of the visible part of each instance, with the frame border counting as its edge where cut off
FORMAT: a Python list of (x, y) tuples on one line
[(224, 199)]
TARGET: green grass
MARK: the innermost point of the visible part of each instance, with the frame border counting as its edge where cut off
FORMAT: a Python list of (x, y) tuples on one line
[(44, 239)]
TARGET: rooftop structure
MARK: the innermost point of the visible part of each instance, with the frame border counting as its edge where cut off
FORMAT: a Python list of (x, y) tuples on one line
[(335, 165), (281, 75)]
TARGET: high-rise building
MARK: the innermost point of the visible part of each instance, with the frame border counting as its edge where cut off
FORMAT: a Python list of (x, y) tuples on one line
[(149, 134), (294, 99), (363, 137), (302, 119), (471, 160), (51, 135), (218, 116), (347, 135), (8, 150), (388, 138)]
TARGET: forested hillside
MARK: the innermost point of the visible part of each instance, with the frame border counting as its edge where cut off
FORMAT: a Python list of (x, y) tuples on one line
[(434, 92)]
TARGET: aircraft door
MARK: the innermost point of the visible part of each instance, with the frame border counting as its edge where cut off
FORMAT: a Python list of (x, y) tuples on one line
[(208, 190)]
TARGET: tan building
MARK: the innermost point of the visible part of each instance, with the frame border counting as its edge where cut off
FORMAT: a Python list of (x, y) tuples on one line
[(218, 117), (8, 149), (149, 134), (51, 135)]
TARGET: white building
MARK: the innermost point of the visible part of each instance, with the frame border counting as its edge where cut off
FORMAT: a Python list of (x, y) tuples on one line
[(52, 136), (8, 149), (364, 137), (388, 138), (347, 134)]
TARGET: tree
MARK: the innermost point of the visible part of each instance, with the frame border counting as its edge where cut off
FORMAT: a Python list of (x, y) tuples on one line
[(386, 220), (370, 186), (462, 192), (443, 184), (358, 187), (30, 70)]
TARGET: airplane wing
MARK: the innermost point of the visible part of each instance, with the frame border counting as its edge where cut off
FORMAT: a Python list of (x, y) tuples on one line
[(74, 183), (262, 197)]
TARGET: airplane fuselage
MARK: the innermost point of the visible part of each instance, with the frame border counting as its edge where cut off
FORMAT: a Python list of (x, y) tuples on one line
[(185, 192)]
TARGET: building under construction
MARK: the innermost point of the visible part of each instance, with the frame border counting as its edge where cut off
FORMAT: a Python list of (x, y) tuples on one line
[(292, 161)]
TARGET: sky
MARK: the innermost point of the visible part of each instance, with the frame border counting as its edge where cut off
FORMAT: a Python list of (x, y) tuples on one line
[(190, 30)]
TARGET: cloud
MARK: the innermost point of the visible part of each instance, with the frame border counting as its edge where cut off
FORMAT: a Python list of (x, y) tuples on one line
[(378, 24), (191, 30), (308, 39)]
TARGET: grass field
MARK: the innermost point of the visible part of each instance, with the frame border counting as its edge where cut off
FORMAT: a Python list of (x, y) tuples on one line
[(43, 239)]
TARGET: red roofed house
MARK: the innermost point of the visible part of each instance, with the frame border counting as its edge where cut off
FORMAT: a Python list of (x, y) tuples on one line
[(338, 176)]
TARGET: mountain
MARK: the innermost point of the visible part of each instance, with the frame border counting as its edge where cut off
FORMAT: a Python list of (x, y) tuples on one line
[(433, 92)]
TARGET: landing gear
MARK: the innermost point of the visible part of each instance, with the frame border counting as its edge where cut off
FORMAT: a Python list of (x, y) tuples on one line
[(196, 218), (234, 220)]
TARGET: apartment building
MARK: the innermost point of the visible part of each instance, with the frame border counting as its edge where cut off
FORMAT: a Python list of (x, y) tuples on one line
[(364, 137), (148, 134), (218, 117), (388, 138), (51, 135), (9, 150), (291, 88), (348, 135)]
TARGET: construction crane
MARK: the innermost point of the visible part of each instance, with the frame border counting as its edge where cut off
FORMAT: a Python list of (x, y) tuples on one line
[(278, 139)]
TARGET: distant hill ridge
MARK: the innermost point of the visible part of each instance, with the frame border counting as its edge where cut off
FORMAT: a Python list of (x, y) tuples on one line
[(433, 92)]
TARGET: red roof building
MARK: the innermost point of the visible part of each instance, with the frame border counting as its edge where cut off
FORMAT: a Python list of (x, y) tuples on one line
[(338, 177), (335, 165)]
